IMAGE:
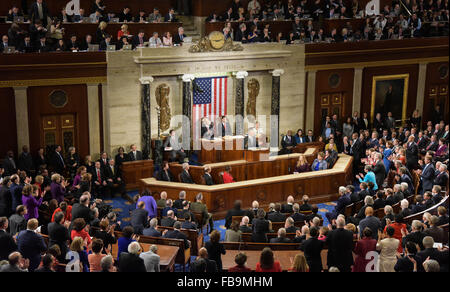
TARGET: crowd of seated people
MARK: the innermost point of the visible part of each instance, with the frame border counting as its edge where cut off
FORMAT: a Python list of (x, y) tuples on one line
[(419, 18), (47, 33)]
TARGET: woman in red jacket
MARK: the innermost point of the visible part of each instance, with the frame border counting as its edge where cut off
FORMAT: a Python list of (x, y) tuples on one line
[(267, 263), (227, 177), (363, 247)]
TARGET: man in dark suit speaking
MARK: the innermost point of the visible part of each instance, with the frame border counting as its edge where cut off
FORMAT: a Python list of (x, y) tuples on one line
[(135, 154), (39, 11)]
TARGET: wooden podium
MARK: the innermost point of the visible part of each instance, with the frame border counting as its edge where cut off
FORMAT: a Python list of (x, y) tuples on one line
[(257, 154), (134, 171), (222, 149)]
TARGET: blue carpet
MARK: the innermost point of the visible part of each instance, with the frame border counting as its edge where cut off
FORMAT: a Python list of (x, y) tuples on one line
[(123, 208)]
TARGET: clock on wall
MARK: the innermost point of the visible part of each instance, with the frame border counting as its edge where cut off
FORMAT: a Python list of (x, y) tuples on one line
[(217, 40)]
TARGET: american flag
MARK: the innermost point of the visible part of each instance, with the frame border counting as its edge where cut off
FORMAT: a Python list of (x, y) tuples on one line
[(210, 100)]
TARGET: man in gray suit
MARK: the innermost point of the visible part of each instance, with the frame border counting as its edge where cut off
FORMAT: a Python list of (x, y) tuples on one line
[(171, 144), (151, 259), (16, 263)]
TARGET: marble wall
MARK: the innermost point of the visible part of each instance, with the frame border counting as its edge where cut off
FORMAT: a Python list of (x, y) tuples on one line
[(122, 103)]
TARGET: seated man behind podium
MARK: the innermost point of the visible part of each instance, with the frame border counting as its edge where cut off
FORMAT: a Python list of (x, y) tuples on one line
[(288, 143), (251, 141), (288, 207), (171, 144), (227, 177), (207, 176), (134, 154), (185, 175), (165, 174)]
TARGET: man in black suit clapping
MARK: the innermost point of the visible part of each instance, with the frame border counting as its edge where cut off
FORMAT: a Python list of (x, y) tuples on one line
[(135, 154)]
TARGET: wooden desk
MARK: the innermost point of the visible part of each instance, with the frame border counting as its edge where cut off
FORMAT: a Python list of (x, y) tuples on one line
[(252, 155), (167, 254), (320, 186), (133, 171), (253, 167), (285, 257), (222, 149)]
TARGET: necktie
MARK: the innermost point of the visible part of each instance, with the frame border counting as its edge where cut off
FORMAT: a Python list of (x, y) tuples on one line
[(60, 157), (112, 169), (41, 14), (99, 179), (13, 163), (168, 177)]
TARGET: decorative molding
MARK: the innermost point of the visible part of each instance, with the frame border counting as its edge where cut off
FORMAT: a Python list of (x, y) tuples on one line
[(219, 56), (240, 74), (386, 63), (374, 50), (146, 80), (277, 72), (188, 77), (51, 82)]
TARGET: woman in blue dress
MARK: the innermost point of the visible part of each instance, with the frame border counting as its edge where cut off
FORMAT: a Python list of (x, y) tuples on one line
[(369, 177), (387, 153)]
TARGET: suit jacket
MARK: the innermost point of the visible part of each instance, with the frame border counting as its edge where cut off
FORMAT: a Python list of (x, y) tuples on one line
[(230, 214), (441, 179), (322, 164), (427, 177), (7, 245), (33, 13), (31, 245), (167, 222), (138, 155), (437, 233), (412, 155), (312, 249), (286, 208), (177, 235), (58, 234), (186, 178), (151, 232), (260, 228), (163, 176), (276, 217), (380, 173), (109, 174), (286, 142), (167, 18), (226, 130), (178, 40), (356, 150), (280, 240), (9, 167), (95, 176), (81, 211), (131, 263), (340, 246), (139, 220), (151, 261), (57, 162), (208, 179)]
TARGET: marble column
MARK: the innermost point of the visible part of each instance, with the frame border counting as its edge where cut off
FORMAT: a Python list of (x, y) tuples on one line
[(23, 136), (187, 111), (275, 110), (239, 102), (146, 126), (94, 119), (421, 86), (357, 89), (310, 101)]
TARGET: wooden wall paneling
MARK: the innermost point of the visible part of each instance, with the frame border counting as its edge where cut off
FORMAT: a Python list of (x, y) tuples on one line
[(369, 73), (343, 88), (39, 106), (8, 129), (438, 81)]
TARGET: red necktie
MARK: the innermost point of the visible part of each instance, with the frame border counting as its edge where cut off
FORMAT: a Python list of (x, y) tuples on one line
[(98, 176)]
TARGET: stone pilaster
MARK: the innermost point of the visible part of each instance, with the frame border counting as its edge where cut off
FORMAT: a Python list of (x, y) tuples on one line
[(21, 101), (239, 102), (187, 111), (275, 110), (357, 89), (310, 101), (146, 124)]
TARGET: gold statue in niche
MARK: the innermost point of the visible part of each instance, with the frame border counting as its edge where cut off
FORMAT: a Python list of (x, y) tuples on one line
[(162, 98), (253, 92)]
